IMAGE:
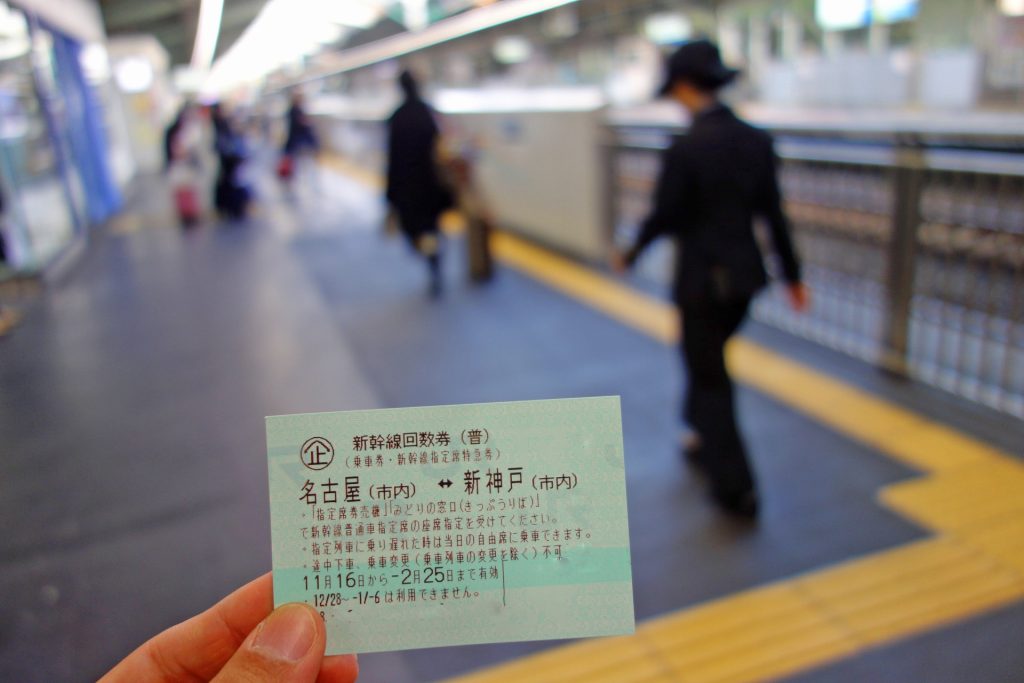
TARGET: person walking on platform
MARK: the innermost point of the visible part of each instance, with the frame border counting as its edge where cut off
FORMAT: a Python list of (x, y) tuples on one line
[(714, 181), (231, 195), (301, 140), (415, 187), (181, 150), (8, 316)]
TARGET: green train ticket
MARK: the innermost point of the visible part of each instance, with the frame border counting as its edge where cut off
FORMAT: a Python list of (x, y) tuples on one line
[(448, 525)]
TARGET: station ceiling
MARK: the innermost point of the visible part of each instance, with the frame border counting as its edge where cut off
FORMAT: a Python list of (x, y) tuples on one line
[(173, 22)]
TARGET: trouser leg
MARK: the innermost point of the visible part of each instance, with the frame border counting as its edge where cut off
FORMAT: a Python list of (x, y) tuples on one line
[(709, 403), (421, 228)]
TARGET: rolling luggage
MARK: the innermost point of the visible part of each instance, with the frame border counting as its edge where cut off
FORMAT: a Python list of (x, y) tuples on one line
[(186, 201), (286, 167)]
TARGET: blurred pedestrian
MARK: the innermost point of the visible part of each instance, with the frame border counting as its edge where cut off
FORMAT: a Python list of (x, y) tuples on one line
[(301, 141), (181, 149), (714, 181), (231, 195), (415, 186), (9, 317), (171, 136), (241, 638)]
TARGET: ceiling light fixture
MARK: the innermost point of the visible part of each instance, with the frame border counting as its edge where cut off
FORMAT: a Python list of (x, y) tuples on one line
[(458, 26), (207, 33)]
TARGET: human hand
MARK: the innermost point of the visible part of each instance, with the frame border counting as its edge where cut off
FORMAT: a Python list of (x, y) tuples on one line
[(241, 638), (799, 296), (618, 262)]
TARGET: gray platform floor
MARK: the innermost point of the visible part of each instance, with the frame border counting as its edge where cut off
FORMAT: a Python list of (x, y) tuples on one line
[(133, 478)]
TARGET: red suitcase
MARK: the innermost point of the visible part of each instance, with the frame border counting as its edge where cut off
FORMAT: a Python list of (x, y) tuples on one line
[(285, 167), (186, 199)]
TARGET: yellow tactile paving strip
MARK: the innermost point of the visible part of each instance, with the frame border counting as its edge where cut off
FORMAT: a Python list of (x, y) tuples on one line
[(970, 494)]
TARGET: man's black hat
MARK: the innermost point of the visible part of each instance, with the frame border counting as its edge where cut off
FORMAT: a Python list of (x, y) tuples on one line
[(698, 62)]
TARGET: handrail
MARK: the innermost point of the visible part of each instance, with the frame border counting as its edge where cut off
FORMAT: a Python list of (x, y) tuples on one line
[(883, 154)]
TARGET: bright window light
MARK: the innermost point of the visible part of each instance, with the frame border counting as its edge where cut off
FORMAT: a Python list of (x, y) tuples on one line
[(416, 14), (12, 22), (325, 34), (840, 15), (888, 11), (95, 64), (512, 49), (133, 74), (668, 28), (10, 48), (1012, 8)]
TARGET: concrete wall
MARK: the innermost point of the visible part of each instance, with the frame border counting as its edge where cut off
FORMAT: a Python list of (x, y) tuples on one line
[(536, 154), (146, 114), (541, 174)]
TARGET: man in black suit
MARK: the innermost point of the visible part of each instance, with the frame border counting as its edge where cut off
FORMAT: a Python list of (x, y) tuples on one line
[(714, 181)]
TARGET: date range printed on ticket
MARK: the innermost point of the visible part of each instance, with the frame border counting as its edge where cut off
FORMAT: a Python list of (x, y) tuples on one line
[(447, 525)]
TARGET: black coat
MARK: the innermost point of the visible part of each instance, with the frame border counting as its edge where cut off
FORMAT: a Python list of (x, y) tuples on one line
[(414, 185), (714, 181), (301, 135)]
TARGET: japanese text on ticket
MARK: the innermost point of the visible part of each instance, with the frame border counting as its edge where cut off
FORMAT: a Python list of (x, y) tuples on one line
[(446, 525)]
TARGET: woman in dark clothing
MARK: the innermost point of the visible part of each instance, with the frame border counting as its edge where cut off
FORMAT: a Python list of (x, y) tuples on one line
[(301, 136), (183, 166), (231, 197), (414, 185), (171, 136), (301, 141), (8, 316)]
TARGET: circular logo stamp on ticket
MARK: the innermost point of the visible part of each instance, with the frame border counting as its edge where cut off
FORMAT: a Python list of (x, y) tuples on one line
[(317, 453)]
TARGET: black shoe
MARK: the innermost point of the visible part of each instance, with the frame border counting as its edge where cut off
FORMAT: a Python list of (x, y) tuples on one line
[(692, 448), (744, 505), (693, 456), (434, 268)]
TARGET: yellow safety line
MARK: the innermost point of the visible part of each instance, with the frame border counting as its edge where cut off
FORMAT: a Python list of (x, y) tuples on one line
[(354, 171), (857, 414), (970, 494)]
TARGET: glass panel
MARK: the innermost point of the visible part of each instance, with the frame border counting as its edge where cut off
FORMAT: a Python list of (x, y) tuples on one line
[(37, 220), (56, 102)]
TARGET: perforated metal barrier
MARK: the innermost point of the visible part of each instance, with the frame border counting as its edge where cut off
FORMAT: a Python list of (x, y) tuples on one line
[(913, 245)]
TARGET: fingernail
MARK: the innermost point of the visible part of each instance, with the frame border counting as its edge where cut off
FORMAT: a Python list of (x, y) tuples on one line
[(287, 634)]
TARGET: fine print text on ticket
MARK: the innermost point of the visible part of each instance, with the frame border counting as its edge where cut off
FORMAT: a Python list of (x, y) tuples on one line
[(448, 525)]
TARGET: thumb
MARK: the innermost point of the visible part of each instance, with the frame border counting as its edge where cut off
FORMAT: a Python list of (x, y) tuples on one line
[(287, 646)]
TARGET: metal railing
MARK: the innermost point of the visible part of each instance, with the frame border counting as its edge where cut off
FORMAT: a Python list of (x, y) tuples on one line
[(913, 246)]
